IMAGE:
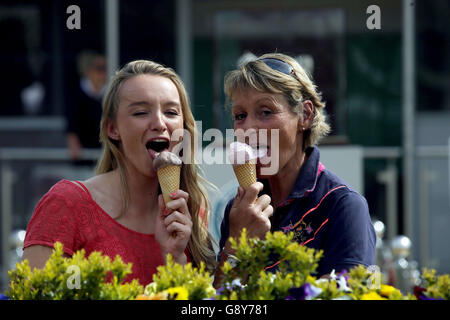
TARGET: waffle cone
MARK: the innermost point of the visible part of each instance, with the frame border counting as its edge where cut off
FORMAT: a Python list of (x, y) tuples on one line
[(169, 180), (245, 174)]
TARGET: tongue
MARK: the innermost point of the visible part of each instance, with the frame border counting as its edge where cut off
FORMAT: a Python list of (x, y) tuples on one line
[(152, 153)]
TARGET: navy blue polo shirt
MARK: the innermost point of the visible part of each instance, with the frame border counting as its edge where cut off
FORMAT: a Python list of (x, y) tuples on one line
[(324, 213)]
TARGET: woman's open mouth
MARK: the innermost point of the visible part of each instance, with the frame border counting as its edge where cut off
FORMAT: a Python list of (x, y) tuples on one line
[(157, 145)]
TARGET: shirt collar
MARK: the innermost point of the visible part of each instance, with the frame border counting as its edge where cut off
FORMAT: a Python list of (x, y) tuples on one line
[(307, 177), (88, 88)]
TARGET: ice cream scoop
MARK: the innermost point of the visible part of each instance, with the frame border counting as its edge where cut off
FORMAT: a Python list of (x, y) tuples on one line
[(168, 169), (240, 153), (166, 158)]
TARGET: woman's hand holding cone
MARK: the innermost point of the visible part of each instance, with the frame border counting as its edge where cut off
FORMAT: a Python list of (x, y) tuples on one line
[(251, 212), (174, 226)]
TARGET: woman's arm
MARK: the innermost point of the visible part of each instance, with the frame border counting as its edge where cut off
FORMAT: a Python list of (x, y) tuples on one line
[(351, 238), (37, 256)]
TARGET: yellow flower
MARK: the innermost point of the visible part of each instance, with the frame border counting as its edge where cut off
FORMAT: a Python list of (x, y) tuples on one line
[(153, 296), (372, 296), (177, 293), (386, 290)]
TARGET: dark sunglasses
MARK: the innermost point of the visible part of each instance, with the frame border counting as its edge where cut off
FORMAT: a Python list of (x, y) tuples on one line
[(279, 65)]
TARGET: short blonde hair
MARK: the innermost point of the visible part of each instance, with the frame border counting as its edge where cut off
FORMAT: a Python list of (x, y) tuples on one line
[(296, 88), (200, 243)]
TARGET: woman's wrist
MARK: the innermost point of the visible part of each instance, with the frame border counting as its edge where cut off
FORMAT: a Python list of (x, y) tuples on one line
[(180, 259)]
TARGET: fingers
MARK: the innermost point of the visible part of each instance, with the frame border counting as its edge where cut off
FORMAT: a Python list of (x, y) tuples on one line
[(262, 202), (251, 212), (178, 217), (178, 203), (180, 194), (267, 212), (251, 194), (240, 192), (178, 224)]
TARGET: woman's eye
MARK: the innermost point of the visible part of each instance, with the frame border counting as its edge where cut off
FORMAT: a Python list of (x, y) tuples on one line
[(239, 116), (139, 113), (266, 112), (172, 112)]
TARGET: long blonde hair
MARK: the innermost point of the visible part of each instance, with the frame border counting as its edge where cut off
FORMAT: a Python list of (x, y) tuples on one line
[(200, 243), (296, 88)]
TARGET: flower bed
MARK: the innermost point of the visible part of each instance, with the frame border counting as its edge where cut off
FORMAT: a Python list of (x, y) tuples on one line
[(100, 278)]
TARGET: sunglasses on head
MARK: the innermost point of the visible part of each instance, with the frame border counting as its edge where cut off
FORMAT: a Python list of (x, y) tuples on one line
[(278, 65)]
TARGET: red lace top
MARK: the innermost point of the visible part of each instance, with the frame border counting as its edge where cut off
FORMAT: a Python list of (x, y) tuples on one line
[(70, 215)]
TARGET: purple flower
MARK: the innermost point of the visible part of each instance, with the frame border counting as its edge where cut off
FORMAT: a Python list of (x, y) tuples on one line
[(424, 297), (305, 292), (342, 284), (3, 297), (345, 274), (220, 290)]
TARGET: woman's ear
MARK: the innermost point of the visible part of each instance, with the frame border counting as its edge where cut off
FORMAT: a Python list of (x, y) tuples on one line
[(307, 117), (113, 133)]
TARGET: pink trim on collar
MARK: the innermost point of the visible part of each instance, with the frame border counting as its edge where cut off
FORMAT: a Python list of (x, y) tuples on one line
[(320, 168)]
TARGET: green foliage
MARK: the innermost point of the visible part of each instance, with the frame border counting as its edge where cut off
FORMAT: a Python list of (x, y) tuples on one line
[(254, 255), (76, 278), (197, 281), (329, 288), (365, 284), (97, 277), (358, 281), (438, 287)]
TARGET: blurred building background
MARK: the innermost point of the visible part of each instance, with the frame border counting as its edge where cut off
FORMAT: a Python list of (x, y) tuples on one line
[(387, 92)]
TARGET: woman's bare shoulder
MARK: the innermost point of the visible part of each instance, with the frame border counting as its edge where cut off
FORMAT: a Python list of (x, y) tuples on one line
[(104, 190), (102, 182)]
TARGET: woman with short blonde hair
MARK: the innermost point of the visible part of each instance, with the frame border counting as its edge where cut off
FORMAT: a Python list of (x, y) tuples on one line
[(273, 92), (296, 86)]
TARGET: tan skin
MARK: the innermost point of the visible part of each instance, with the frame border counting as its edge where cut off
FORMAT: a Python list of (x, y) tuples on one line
[(257, 110), (149, 107)]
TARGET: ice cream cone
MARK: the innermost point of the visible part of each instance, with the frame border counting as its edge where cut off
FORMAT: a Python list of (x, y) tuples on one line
[(169, 180), (245, 173), (168, 169)]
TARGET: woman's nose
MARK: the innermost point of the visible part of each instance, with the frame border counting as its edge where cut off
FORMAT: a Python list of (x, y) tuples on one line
[(248, 130), (157, 122)]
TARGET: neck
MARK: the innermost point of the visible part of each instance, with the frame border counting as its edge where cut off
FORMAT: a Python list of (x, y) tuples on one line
[(282, 183)]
